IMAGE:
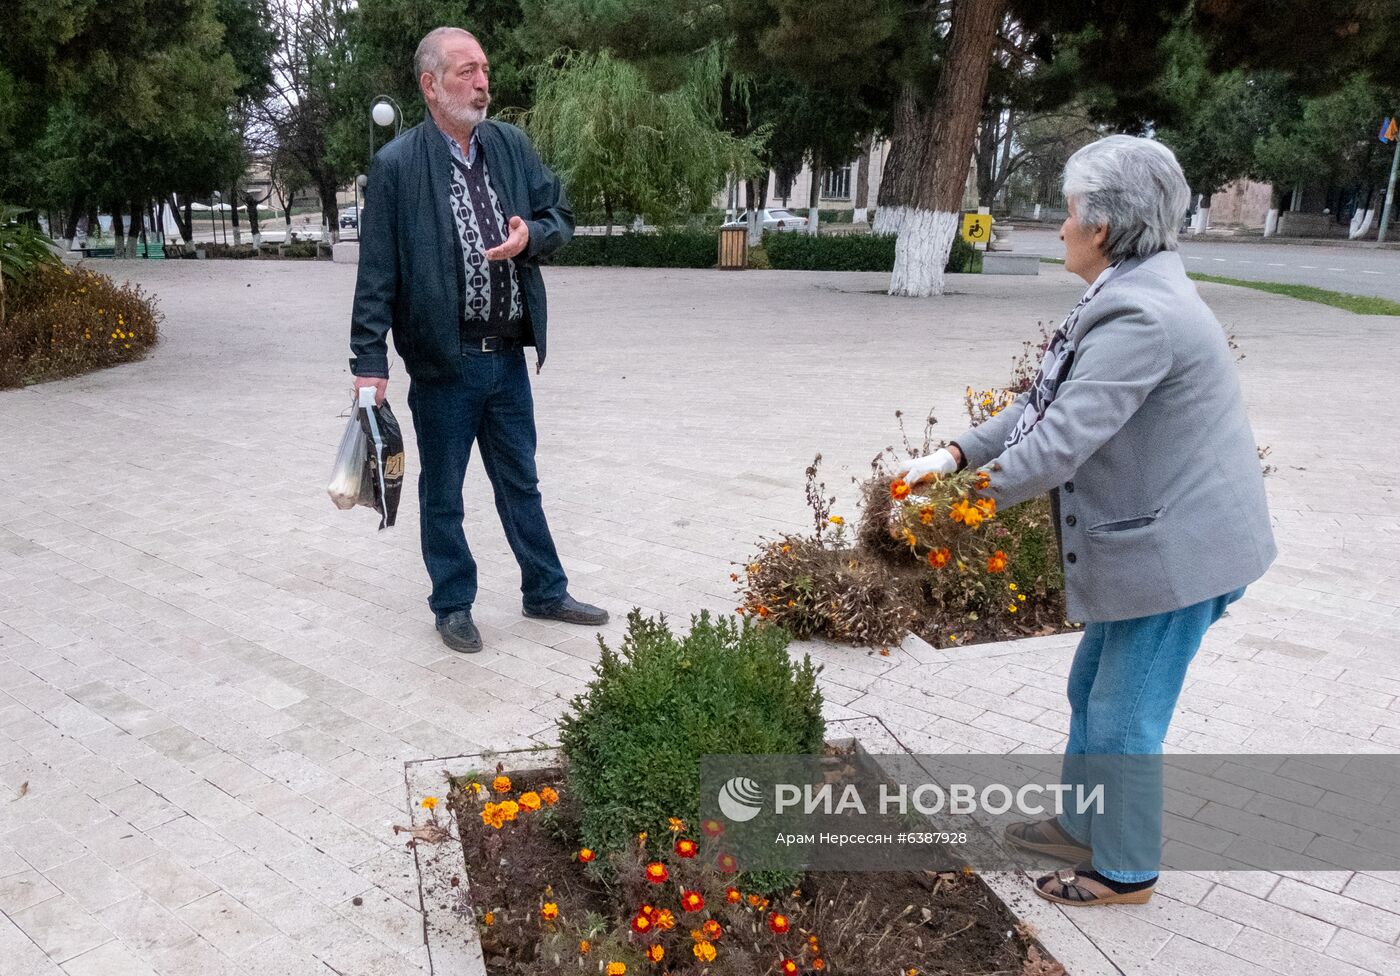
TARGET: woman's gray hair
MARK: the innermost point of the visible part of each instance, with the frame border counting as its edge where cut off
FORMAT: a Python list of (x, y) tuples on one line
[(429, 57), (1132, 186)]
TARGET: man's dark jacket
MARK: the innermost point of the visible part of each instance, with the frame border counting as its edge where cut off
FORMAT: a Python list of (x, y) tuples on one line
[(410, 277)]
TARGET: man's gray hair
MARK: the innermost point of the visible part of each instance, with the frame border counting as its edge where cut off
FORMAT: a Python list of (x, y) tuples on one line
[(429, 57), (1132, 186)]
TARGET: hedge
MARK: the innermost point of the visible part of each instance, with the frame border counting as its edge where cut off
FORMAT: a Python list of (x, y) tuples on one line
[(854, 252), (664, 249)]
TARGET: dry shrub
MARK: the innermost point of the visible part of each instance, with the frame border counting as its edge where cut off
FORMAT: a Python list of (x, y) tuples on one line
[(64, 321)]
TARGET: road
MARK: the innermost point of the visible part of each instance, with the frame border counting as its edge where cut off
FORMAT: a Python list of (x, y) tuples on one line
[(1357, 271)]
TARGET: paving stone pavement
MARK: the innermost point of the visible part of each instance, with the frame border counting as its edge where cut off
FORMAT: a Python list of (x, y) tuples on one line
[(210, 679)]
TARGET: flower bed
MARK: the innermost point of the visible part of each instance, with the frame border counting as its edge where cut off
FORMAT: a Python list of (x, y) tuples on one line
[(62, 321), (935, 559), (544, 905)]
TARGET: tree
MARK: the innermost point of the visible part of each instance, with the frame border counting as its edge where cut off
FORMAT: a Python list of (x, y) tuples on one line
[(618, 144)]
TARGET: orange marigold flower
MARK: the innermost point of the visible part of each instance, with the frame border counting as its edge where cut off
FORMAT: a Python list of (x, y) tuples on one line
[(692, 901), (712, 930), (584, 946), (509, 809), (926, 514), (641, 923), (818, 964), (732, 896), (489, 918), (968, 514), (657, 873), (656, 953), (501, 784), (665, 920), (984, 481), (686, 847), (910, 539), (789, 968), (586, 855), (677, 825), (987, 506), (550, 911), (530, 801), (712, 828), (754, 901), (779, 923), (704, 951), (728, 863), (429, 803), (898, 489), (996, 562), (938, 558), (617, 969)]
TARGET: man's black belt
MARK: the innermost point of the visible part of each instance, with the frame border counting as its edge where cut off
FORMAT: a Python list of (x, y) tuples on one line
[(493, 343)]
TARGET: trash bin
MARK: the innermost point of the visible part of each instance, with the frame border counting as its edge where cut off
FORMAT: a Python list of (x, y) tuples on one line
[(733, 248)]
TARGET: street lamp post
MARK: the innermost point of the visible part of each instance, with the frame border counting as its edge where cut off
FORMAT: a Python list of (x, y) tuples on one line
[(383, 111)]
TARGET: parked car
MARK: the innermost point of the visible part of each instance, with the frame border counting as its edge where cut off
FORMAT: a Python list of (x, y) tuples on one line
[(350, 217), (773, 218)]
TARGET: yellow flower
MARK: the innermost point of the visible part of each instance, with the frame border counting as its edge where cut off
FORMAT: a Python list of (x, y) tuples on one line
[(836, 520), (617, 969), (501, 784), (550, 911), (704, 951), (474, 786), (677, 825), (429, 803)]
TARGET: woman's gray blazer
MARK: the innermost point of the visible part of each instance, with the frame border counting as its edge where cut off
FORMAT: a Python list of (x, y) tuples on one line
[(1148, 447)]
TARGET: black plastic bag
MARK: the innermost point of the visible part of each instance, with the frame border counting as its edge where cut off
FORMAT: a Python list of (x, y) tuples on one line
[(370, 463)]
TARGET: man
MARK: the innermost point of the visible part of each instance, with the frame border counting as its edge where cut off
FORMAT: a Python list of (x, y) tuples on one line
[(458, 212)]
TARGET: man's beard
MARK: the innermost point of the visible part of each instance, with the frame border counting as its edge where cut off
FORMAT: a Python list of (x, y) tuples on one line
[(462, 111)]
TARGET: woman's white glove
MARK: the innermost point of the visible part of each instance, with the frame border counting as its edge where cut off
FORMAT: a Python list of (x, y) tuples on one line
[(915, 470)]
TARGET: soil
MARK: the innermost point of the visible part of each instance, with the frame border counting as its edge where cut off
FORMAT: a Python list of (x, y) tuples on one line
[(935, 923)]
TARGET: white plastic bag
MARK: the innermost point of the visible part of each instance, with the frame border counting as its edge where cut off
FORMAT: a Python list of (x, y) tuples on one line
[(347, 476)]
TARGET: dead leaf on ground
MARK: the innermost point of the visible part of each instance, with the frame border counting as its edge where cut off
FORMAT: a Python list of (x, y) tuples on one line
[(430, 832), (23, 791)]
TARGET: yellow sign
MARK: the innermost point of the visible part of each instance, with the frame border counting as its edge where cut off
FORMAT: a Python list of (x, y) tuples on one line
[(977, 228)]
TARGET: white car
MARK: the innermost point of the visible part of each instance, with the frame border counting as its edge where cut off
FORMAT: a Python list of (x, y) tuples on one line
[(776, 219)]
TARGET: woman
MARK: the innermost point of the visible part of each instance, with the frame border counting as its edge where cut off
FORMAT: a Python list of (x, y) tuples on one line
[(1136, 425)]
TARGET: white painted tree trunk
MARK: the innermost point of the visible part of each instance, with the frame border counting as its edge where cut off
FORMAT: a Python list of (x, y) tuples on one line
[(1361, 223), (921, 252), (257, 240), (814, 219), (1271, 222), (860, 215), (888, 220), (237, 236), (1201, 220)]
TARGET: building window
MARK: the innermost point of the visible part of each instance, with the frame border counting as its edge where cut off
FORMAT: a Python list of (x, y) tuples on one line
[(836, 184)]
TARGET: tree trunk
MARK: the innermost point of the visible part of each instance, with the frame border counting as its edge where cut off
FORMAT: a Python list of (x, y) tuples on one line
[(326, 188), (939, 159), (70, 224), (118, 231), (183, 217), (753, 204), (814, 195), (251, 202), (1276, 193), (138, 229), (897, 178), (861, 214), (233, 217)]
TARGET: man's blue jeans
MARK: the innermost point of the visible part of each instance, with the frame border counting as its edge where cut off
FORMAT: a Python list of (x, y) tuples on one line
[(1123, 687), (491, 405)]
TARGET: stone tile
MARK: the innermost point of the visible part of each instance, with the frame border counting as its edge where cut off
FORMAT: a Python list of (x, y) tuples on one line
[(112, 959), (166, 880), (62, 927), (91, 883), (24, 890), (226, 923)]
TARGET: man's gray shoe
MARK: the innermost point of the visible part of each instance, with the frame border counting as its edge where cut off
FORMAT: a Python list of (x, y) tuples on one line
[(570, 611), (459, 633)]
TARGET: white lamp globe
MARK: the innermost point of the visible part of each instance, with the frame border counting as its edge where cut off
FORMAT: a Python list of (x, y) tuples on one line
[(382, 113)]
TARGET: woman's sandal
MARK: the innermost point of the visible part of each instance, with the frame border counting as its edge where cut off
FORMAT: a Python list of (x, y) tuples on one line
[(1066, 887), (1049, 838)]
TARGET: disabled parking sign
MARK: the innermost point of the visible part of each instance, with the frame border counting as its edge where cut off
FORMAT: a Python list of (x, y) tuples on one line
[(977, 228)]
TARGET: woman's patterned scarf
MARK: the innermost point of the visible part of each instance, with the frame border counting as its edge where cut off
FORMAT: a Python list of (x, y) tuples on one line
[(1054, 366)]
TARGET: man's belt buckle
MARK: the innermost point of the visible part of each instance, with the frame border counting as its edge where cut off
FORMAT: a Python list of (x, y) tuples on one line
[(490, 343)]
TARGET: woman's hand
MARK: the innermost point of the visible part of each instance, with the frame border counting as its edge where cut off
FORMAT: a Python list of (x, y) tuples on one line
[(941, 462)]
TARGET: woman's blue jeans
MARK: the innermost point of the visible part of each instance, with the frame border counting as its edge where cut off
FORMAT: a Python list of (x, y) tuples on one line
[(1123, 687), (490, 405)]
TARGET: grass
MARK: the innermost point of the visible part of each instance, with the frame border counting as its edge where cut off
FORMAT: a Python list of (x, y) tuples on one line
[(1360, 304)]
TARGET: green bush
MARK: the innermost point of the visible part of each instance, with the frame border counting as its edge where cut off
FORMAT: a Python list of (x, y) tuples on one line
[(663, 249), (854, 252), (633, 740), (23, 248)]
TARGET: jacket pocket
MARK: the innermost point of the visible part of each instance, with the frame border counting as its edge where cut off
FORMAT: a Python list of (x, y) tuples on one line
[(1123, 525)]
